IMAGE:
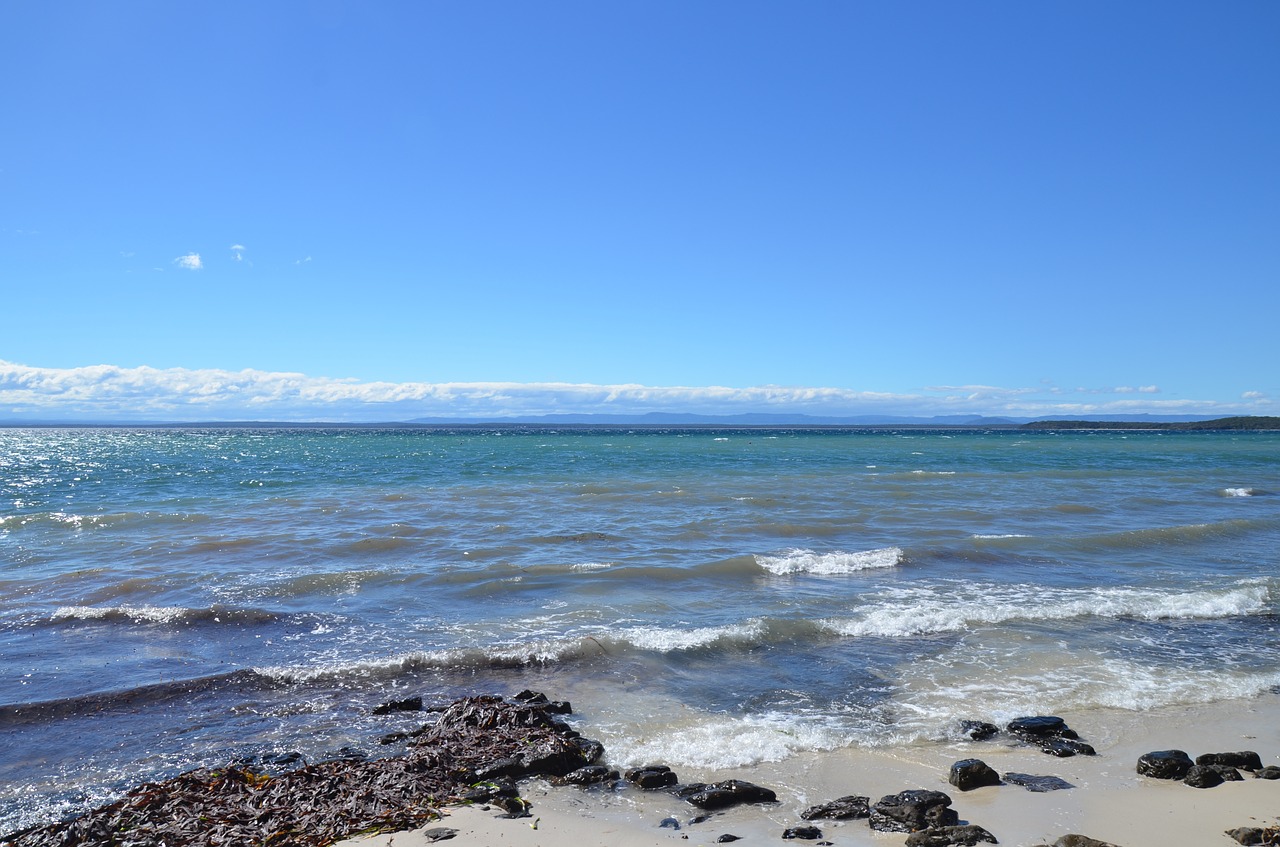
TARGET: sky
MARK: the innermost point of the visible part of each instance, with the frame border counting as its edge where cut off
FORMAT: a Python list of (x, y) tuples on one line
[(377, 211)]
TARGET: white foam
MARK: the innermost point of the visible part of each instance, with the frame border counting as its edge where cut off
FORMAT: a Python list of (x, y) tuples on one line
[(1002, 535), (591, 566), (1238, 492), (138, 614), (721, 742), (837, 562), (668, 640), (961, 606)]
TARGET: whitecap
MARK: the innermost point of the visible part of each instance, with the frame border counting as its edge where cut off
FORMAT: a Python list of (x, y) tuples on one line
[(669, 639), (836, 562)]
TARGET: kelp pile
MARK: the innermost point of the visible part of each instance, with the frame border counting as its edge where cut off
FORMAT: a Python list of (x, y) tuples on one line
[(473, 740)]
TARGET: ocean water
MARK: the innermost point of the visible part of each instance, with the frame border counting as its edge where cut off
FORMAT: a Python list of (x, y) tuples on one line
[(171, 598)]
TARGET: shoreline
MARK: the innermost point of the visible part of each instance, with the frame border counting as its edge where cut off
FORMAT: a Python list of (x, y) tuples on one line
[(1109, 801)]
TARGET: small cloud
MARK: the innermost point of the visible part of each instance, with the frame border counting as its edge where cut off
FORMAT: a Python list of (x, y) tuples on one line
[(190, 262), (1253, 395), (303, 261), (1149, 389), (237, 250)]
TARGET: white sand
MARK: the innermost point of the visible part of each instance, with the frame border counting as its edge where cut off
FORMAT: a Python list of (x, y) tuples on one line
[(1110, 801)]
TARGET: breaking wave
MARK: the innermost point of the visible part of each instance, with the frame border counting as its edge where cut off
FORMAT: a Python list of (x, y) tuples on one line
[(807, 561)]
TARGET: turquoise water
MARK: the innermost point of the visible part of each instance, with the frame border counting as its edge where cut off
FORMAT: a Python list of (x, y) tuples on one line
[(174, 597)]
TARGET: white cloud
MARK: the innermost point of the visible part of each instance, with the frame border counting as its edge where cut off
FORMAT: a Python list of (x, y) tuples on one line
[(303, 261), (109, 392), (1149, 389), (1253, 395), (190, 262), (237, 250)]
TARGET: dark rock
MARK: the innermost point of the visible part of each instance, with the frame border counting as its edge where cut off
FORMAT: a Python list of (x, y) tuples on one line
[(490, 790), (589, 775), (847, 808), (1039, 726), (669, 823), (979, 730), (731, 792), (1269, 772), (806, 833), (1203, 776), (908, 811), (347, 754), (652, 776), (1165, 764), (591, 750), (1081, 841), (1247, 835), (726, 838), (1063, 747), (439, 833), (498, 768), (968, 774), (533, 698), (1246, 760), (410, 704), (1039, 784), (945, 836)]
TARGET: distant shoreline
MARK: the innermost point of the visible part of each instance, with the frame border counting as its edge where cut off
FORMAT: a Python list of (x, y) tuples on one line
[(1240, 423)]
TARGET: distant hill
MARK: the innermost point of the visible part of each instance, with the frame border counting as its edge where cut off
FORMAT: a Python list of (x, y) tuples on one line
[(1242, 423)]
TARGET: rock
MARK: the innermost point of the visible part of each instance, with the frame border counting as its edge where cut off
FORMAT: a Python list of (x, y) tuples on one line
[(1246, 760), (489, 791), (847, 808), (979, 730), (439, 833), (1269, 772), (909, 811), (669, 823), (652, 776), (1039, 726), (731, 792), (589, 775), (806, 833), (1063, 747), (1081, 841), (1165, 764), (968, 774), (1203, 776), (944, 836), (1039, 784), (410, 704), (726, 838), (1247, 835)]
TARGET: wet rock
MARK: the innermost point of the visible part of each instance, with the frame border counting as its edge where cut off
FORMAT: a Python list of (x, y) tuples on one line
[(1081, 841), (669, 823), (727, 838), (908, 811), (652, 776), (721, 795), (945, 836), (347, 754), (589, 775), (1203, 776), (805, 833), (847, 808), (978, 730), (537, 698), (1039, 784), (1269, 772), (1246, 760), (1051, 734), (409, 704), (1247, 835), (1165, 764), (490, 790), (968, 774)]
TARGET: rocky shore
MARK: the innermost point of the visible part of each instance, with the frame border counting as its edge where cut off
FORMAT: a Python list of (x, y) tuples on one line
[(519, 774)]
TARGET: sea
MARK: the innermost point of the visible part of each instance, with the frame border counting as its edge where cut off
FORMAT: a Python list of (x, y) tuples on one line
[(713, 599)]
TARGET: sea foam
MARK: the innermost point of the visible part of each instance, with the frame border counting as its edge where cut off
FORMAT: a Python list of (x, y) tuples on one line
[(807, 561)]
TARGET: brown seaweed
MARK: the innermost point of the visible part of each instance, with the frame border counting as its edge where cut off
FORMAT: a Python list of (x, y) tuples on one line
[(319, 804)]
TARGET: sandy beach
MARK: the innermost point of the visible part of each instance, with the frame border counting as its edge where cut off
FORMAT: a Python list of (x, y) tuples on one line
[(1109, 800)]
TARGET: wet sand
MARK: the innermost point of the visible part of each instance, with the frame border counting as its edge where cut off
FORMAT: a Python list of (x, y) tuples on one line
[(1110, 801)]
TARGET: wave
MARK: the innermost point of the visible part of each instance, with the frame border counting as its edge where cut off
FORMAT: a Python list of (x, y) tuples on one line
[(130, 699), (73, 521), (164, 615), (1241, 492), (954, 608), (807, 561), (1138, 538)]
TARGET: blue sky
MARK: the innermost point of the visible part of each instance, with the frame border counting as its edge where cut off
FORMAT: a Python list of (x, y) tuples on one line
[(378, 211)]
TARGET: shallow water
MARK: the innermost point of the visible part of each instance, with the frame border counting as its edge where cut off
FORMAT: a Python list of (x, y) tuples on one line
[(175, 597)]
